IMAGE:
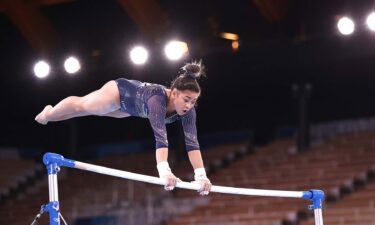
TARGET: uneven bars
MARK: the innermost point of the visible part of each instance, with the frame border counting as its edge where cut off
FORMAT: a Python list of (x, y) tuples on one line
[(54, 161)]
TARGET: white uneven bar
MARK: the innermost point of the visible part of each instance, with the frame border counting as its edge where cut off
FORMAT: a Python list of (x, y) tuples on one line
[(186, 185)]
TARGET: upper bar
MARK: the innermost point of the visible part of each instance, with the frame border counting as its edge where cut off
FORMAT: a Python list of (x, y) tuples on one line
[(50, 158)]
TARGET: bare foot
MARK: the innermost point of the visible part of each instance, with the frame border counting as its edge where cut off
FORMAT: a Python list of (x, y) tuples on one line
[(41, 117)]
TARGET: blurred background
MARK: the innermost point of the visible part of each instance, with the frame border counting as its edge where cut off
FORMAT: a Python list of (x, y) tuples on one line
[(289, 83)]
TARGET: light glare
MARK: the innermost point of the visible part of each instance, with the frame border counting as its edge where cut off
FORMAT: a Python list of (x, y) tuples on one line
[(235, 45), (72, 65), (346, 26), (175, 50), (229, 36), (371, 21), (41, 69), (139, 55)]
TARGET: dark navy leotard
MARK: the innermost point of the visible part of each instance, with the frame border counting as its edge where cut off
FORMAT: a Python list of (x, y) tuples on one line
[(150, 101)]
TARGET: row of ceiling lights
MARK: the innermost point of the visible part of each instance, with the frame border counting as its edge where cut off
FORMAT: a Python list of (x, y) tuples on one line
[(174, 50), (346, 25)]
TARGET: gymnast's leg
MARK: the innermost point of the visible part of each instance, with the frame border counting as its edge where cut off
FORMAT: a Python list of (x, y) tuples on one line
[(100, 102)]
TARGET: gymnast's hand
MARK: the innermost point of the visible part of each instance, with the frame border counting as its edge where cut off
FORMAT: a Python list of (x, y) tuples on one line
[(200, 177), (205, 186), (165, 173), (170, 181)]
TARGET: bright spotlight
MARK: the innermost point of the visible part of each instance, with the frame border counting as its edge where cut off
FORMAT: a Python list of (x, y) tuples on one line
[(139, 55), (175, 50), (346, 26), (72, 65), (371, 21), (41, 69)]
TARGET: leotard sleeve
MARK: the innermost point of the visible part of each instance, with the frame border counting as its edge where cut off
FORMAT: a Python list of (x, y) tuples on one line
[(190, 130), (157, 109)]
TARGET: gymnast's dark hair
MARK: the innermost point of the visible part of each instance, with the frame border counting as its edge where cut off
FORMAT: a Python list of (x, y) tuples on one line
[(189, 76)]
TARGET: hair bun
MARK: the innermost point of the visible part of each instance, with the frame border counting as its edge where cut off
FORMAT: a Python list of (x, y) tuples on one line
[(194, 70)]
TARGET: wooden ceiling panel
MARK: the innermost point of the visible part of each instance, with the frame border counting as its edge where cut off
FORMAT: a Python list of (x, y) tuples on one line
[(272, 10), (32, 24), (148, 16)]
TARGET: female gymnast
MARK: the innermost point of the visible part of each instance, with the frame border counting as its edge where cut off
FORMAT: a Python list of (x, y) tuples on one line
[(122, 98)]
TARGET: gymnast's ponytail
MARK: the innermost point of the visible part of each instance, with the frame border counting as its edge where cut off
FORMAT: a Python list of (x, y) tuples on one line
[(188, 79)]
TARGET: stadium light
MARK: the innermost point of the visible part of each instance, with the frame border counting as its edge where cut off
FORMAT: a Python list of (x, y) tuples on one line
[(72, 65), (371, 21), (229, 36), (139, 55), (235, 45), (41, 69), (175, 50), (346, 26)]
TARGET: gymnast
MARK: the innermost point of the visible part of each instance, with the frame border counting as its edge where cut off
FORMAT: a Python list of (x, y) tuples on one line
[(161, 105)]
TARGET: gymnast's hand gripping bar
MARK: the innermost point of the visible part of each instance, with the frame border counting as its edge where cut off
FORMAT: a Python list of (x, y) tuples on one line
[(54, 161)]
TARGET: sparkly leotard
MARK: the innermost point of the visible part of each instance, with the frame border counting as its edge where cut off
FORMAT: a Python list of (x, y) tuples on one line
[(149, 100)]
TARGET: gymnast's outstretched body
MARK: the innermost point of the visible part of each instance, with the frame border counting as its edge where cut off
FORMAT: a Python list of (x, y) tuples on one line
[(122, 98)]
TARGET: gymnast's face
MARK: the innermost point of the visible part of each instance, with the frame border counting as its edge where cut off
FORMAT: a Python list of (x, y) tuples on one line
[(184, 100)]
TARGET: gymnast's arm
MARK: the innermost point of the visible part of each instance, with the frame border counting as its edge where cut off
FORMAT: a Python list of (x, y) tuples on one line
[(156, 115), (195, 157)]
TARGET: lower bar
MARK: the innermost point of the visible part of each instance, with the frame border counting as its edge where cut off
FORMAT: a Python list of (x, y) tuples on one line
[(186, 185), (316, 196)]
